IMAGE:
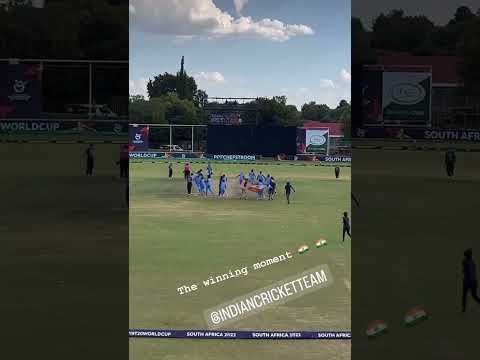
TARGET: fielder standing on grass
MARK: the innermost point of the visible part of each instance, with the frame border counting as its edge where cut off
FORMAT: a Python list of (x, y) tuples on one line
[(337, 172), (450, 160), (170, 171), (469, 278), (90, 155), (346, 226), (288, 190)]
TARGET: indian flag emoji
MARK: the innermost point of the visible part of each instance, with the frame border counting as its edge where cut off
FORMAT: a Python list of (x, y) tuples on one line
[(321, 242), (303, 249), (376, 328), (414, 316)]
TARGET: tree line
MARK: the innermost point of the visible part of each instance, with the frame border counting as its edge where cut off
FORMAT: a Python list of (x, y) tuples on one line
[(176, 99), (418, 35)]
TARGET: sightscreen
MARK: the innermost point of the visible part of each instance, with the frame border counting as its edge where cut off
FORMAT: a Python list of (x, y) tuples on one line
[(243, 140)]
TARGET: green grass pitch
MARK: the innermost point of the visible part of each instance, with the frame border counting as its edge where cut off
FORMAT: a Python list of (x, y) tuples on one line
[(65, 249), (176, 239), (418, 222)]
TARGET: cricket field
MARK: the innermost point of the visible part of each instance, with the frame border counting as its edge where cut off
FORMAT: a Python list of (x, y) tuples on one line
[(411, 230), (178, 239)]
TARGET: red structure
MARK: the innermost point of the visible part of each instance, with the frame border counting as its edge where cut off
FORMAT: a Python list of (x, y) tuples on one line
[(445, 69), (335, 129)]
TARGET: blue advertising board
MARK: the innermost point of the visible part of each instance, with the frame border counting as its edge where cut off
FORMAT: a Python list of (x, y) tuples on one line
[(20, 90), (138, 138)]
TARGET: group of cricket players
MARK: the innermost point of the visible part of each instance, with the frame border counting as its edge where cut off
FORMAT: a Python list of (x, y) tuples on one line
[(264, 186)]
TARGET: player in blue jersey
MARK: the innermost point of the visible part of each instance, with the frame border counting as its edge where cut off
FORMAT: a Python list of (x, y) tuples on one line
[(251, 177), (201, 184), (209, 169), (260, 188), (260, 178), (208, 185), (241, 177), (223, 185)]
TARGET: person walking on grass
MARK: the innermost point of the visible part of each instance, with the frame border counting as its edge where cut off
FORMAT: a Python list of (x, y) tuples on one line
[(223, 186), (260, 178), (337, 172), (201, 184), (243, 188), (208, 185), (189, 184), (450, 160), (90, 155), (268, 179), (251, 177), (197, 179), (220, 184), (209, 169), (346, 226), (271, 189), (186, 171), (288, 191), (260, 189), (241, 177), (469, 278)]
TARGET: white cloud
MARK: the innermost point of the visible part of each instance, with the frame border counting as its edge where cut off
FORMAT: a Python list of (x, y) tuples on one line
[(345, 75), (239, 5), (138, 87), (327, 83), (210, 77), (204, 19)]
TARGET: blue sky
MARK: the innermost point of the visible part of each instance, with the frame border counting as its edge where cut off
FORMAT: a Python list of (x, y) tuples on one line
[(249, 48)]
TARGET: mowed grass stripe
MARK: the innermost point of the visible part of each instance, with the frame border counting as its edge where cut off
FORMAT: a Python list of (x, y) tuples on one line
[(176, 239)]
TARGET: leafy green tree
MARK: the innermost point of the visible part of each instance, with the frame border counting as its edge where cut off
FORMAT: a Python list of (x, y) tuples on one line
[(140, 110), (342, 104), (398, 32), (463, 14), (183, 85), (200, 98), (162, 84), (276, 112), (314, 111), (171, 109)]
